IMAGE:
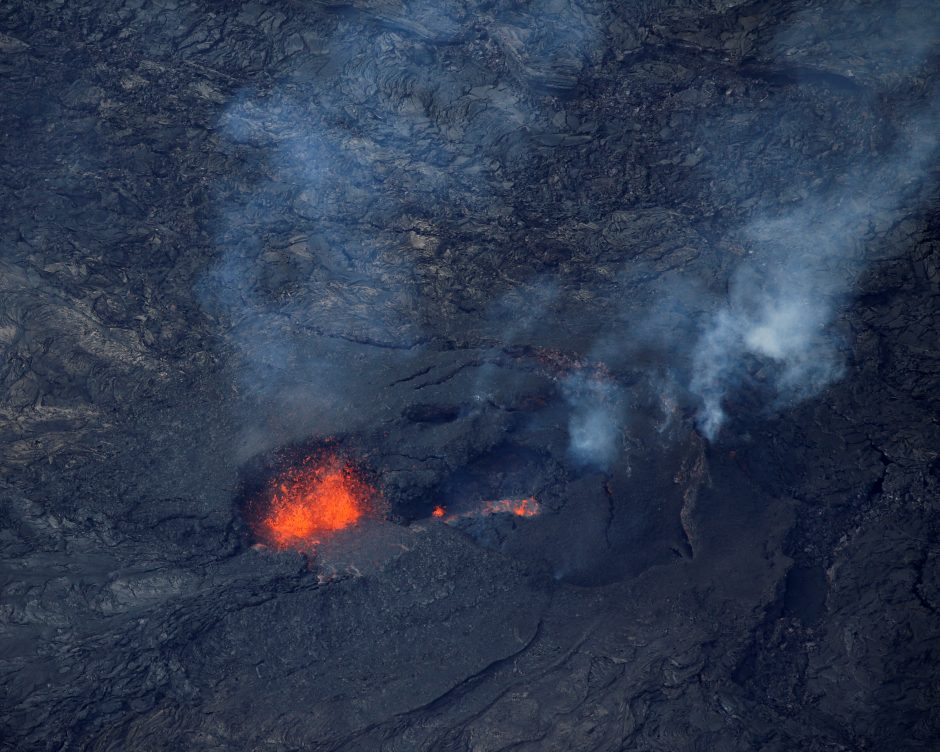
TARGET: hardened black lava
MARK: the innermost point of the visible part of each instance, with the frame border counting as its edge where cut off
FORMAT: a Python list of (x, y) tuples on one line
[(643, 296)]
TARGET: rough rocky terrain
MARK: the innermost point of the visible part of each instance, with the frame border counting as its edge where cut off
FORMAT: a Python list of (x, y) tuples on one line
[(478, 246)]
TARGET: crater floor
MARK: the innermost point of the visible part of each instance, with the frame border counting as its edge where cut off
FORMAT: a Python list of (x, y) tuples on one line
[(485, 249)]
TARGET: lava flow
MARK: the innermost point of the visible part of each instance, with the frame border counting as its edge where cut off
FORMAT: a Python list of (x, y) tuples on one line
[(307, 503), (527, 507)]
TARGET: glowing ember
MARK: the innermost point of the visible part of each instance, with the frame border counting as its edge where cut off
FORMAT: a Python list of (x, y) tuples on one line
[(438, 511), (307, 503)]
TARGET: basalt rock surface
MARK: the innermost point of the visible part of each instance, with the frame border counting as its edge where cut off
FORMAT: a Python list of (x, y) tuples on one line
[(430, 233)]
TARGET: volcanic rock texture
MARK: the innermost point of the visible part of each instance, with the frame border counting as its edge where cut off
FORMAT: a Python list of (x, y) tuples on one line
[(672, 269)]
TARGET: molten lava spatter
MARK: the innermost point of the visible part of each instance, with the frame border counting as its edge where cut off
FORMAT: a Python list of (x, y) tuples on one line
[(309, 502), (438, 511)]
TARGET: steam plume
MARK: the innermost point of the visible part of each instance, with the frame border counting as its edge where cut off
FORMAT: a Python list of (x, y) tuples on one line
[(782, 303), (803, 264), (594, 432)]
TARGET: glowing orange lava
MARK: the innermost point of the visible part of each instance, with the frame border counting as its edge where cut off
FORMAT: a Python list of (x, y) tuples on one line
[(309, 502), (438, 511), (528, 507)]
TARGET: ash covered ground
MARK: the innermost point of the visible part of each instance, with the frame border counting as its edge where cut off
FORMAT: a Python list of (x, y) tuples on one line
[(665, 272)]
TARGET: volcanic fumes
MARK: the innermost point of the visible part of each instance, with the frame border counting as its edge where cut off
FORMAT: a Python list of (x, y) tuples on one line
[(306, 502)]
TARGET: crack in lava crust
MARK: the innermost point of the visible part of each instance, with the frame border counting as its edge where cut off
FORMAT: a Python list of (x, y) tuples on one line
[(305, 504)]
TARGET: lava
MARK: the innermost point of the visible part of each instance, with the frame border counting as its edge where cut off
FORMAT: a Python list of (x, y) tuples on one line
[(306, 503), (527, 507)]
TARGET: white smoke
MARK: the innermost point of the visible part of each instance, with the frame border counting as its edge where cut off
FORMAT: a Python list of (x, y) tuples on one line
[(783, 302), (594, 425), (803, 264)]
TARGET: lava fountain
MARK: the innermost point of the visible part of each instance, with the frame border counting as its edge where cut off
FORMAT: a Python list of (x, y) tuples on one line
[(307, 503)]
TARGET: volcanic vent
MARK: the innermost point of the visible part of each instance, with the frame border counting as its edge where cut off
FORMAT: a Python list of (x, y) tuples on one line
[(304, 497)]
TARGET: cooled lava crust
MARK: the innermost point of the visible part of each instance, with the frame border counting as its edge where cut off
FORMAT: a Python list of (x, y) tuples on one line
[(499, 249)]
